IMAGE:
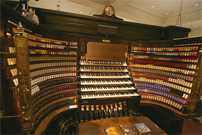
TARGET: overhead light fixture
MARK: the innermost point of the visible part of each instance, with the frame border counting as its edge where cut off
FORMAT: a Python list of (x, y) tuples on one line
[(152, 6), (179, 17), (167, 13), (188, 23), (81, 12), (196, 27), (196, 4)]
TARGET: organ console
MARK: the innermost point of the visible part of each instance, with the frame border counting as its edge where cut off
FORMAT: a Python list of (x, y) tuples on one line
[(103, 79), (104, 83), (67, 79)]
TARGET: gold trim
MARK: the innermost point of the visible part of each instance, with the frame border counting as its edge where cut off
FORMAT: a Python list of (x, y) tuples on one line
[(13, 116), (6, 53)]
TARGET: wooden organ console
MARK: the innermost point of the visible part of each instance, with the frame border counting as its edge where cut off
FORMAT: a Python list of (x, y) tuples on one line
[(69, 77), (105, 79), (106, 89)]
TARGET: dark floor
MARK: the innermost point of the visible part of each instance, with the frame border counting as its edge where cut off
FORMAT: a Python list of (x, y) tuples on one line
[(173, 126), (192, 127)]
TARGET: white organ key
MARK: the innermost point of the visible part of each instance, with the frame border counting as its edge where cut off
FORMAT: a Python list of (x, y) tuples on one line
[(85, 76), (113, 95), (108, 88), (105, 82), (93, 70)]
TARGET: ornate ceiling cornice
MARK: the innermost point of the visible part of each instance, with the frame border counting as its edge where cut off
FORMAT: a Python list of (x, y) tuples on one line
[(142, 14), (185, 17)]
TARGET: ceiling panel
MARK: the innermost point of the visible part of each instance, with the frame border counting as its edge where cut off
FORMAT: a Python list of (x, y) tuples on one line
[(62, 5), (165, 8)]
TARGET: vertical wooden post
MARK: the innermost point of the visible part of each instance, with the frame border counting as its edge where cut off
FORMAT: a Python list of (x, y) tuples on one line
[(23, 68)]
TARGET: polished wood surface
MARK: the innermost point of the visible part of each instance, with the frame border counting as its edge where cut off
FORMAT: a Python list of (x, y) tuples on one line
[(105, 52), (44, 124), (97, 126)]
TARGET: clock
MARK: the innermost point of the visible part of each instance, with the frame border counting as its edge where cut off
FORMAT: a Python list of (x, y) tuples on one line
[(109, 10)]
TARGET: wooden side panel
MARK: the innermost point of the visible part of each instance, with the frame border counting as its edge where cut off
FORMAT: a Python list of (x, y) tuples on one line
[(105, 51)]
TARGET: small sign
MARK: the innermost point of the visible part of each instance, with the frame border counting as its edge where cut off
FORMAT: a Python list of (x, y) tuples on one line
[(72, 106), (107, 41)]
